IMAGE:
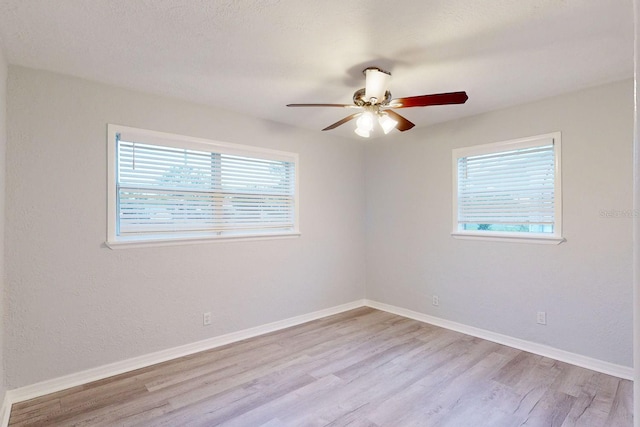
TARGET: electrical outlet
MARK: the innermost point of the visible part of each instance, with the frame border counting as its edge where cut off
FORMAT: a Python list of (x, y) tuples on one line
[(435, 300), (542, 318), (206, 318)]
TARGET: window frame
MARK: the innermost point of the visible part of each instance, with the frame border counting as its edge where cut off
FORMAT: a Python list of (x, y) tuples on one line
[(145, 136), (505, 146)]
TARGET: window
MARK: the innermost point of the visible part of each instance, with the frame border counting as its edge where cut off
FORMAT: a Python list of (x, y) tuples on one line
[(509, 190), (171, 188)]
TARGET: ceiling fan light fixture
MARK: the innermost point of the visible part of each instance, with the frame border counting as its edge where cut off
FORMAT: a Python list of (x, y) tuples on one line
[(377, 82), (377, 103), (365, 121), (387, 123), (364, 124)]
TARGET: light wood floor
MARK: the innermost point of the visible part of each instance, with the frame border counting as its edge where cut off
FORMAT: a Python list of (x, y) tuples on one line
[(360, 368)]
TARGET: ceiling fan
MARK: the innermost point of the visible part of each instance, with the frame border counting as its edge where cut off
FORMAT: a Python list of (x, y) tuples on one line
[(375, 101)]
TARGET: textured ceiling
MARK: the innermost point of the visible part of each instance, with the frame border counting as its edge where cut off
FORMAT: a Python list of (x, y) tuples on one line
[(256, 56)]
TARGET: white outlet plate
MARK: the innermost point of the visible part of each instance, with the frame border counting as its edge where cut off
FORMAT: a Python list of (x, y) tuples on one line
[(206, 318), (435, 300), (542, 318)]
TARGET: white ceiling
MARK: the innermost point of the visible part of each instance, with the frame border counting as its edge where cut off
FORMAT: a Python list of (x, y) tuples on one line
[(256, 56)]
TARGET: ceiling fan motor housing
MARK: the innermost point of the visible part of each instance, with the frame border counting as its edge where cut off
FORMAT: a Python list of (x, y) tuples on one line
[(360, 100), (376, 84)]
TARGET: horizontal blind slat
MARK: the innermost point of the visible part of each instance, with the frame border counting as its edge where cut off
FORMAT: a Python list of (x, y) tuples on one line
[(168, 190), (515, 187)]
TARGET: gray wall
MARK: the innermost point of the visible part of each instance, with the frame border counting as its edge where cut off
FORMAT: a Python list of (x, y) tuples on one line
[(636, 228), (74, 304), (584, 284), (3, 145)]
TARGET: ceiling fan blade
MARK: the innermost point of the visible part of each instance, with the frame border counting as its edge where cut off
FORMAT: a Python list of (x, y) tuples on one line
[(426, 100), (323, 105), (403, 124), (343, 121)]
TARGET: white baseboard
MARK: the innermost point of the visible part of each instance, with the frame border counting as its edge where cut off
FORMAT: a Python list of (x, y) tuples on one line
[(531, 347), (5, 410), (105, 371)]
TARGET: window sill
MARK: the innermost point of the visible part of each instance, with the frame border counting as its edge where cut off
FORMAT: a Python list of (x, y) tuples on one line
[(509, 237), (136, 242)]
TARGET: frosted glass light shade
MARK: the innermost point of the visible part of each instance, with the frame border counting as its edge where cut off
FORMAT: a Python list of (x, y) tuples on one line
[(362, 133), (387, 123), (365, 121), (364, 124)]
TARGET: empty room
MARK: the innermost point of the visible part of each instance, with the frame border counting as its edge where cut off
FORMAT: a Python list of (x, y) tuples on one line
[(341, 213)]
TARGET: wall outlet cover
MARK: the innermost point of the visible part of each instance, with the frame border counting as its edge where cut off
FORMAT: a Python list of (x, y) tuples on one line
[(542, 318), (206, 319)]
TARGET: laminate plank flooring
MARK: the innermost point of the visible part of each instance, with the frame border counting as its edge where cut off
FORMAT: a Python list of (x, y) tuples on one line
[(361, 368)]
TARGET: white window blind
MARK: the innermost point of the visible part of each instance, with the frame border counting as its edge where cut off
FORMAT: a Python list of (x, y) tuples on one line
[(508, 188), (181, 188)]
